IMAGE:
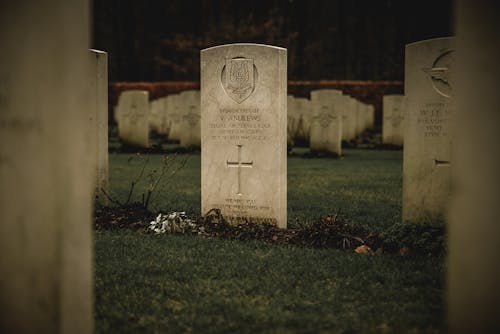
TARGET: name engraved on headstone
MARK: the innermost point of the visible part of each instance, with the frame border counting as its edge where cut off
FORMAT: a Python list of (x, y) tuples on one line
[(433, 119), (244, 124)]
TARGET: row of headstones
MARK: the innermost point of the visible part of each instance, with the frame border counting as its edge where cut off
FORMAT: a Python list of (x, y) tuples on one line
[(242, 119), (326, 119), (323, 121), (176, 117), (248, 122)]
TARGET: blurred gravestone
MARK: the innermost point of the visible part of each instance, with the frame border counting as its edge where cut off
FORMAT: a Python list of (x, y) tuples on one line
[(133, 123), (371, 116), (244, 131), (326, 121), (98, 134), (190, 134), (348, 118), (393, 119), (163, 122), (427, 140), (46, 183), (360, 117), (292, 120), (473, 227), (155, 113), (303, 107), (174, 116)]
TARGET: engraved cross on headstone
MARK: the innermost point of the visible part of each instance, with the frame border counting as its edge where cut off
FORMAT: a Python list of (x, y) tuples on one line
[(239, 164), (442, 162), (133, 113), (325, 117), (192, 117)]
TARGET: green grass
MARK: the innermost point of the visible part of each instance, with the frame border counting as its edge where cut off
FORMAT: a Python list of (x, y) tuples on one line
[(172, 284), (365, 185)]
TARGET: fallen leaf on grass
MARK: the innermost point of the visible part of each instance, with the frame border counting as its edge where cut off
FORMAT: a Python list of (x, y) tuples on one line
[(363, 249), (404, 250)]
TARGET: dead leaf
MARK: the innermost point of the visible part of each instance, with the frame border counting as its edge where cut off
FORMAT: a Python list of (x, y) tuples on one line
[(404, 250), (363, 249)]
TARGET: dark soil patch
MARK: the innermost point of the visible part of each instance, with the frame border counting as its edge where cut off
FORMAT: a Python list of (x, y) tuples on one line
[(328, 232)]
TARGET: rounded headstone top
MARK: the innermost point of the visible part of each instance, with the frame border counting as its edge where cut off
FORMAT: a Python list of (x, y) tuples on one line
[(430, 40), (243, 45), (98, 51)]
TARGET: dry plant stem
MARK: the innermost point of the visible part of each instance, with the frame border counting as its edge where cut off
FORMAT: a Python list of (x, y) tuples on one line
[(154, 184), (172, 173), (112, 200), (134, 182)]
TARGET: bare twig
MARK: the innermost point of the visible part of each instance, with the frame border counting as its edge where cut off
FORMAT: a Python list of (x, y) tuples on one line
[(112, 200), (155, 183), (136, 180), (172, 173)]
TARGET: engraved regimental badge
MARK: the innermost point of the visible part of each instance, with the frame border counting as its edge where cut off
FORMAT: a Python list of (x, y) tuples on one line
[(325, 117), (238, 78), (441, 73)]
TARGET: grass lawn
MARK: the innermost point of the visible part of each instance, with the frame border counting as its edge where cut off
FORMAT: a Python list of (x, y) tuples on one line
[(170, 284)]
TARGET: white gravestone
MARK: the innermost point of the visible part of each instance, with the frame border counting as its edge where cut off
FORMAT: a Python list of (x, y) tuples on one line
[(165, 120), (473, 225), (155, 113), (163, 123), (303, 106), (326, 121), (190, 134), (98, 100), (133, 123), (348, 118), (293, 118), (393, 119), (244, 131), (174, 116), (429, 109), (360, 117), (46, 183), (371, 116)]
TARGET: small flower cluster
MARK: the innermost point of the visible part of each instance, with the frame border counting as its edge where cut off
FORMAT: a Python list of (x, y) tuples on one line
[(175, 222)]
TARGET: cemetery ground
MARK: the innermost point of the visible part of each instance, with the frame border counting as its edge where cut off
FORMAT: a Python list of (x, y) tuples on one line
[(146, 282)]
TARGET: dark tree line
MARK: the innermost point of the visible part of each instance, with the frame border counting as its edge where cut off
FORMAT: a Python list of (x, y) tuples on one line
[(326, 39)]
